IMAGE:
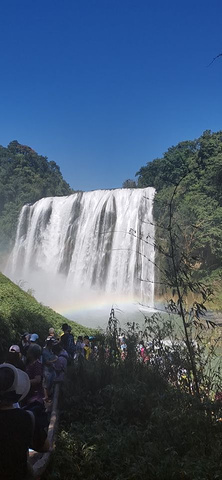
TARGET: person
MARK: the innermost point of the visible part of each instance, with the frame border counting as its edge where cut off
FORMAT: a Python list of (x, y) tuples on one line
[(122, 338), (18, 430), (67, 340), (14, 357), (87, 347), (218, 396), (34, 370), (51, 332), (79, 353), (71, 346), (48, 360), (24, 345), (143, 353), (64, 337), (60, 365), (33, 338)]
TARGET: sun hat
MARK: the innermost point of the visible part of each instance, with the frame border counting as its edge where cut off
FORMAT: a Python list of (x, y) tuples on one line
[(14, 348), (14, 383), (34, 337)]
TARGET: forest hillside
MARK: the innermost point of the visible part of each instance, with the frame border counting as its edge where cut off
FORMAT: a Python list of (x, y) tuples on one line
[(20, 312), (188, 180), (25, 177)]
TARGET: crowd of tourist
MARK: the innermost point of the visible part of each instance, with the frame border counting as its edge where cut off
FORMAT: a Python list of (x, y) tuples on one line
[(27, 379)]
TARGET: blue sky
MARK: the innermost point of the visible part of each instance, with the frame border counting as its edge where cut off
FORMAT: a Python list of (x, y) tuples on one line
[(103, 86)]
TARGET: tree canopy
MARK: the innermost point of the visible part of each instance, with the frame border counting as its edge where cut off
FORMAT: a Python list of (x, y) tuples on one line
[(194, 168), (129, 183), (25, 177)]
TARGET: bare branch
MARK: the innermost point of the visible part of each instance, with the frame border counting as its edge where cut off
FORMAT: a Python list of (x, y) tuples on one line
[(143, 255), (215, 58)]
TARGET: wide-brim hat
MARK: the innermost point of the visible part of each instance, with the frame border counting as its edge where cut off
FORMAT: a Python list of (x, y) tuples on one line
[(18, 387)]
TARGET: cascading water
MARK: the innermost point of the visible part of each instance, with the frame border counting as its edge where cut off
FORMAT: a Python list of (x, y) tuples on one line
[(91, 243)]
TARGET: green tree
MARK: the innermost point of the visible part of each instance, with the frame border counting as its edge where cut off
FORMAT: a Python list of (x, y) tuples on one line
[(196, 167), (129, 184), (25, 177)]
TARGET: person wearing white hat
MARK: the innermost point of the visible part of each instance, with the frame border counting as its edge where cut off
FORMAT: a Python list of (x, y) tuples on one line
[(14, 348), (13, 357), (18, 430)]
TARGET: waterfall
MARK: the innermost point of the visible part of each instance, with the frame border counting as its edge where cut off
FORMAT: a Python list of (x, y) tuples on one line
[(100, 241)]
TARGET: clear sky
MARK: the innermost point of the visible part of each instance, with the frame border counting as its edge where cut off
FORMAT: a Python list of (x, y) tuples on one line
[(103, 86)]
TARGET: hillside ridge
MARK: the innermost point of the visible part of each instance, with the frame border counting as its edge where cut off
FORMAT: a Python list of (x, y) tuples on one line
[(20, 312)]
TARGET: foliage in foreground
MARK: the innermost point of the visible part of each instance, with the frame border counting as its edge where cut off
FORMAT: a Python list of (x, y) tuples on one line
[(125, 420), (20, 312)]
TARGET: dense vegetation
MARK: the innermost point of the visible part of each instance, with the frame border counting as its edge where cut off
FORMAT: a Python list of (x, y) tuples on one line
[(25, 177), (124, 419), (20, 312), (188, 178)]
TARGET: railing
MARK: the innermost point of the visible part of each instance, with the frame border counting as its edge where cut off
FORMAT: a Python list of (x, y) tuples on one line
[(40, 461)]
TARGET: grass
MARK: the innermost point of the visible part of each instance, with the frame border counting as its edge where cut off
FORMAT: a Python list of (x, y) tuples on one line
[(20, 312)]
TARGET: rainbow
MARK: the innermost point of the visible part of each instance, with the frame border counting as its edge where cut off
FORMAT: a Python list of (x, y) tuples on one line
[(91, 304), (104, 303)]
